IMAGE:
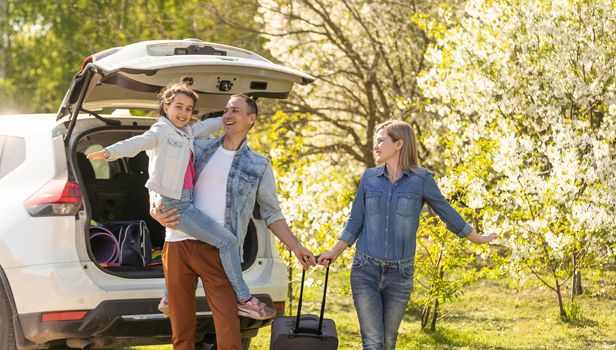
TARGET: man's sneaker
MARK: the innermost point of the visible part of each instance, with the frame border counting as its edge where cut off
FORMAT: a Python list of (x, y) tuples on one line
[(163, 306), (255, 309)]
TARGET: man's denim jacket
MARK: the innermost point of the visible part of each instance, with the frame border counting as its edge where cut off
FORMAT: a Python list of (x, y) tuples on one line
[(385, 217), (168, 149), (251, 181)]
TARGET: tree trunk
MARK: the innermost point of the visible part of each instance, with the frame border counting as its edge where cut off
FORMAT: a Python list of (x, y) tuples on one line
[(434, 316), (576, 285), (425, 314), (561, 307), (441, 273), (576, 281)]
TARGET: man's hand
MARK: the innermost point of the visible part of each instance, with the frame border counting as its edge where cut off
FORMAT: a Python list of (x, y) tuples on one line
[(305, 257), (281, 230), (168, 219)]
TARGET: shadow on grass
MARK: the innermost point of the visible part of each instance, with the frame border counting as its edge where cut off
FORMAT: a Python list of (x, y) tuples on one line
[(581, 322), (583, 341), (444, 339)]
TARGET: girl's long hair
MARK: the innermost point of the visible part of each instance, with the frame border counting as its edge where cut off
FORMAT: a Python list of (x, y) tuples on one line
[(400, 130), (168, 93)]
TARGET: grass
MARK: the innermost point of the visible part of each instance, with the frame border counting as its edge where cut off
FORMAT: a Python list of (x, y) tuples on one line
[(488, 315)]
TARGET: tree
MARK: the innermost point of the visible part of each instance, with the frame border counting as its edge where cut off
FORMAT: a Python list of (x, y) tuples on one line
[(536, 80), (444, 264), (364, 54), (45, 41), (314, 196)]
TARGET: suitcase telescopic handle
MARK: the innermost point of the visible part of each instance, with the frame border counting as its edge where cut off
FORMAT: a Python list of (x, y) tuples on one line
[(319, 329)]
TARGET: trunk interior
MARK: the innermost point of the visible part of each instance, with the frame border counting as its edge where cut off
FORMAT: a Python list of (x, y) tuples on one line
[(116, 195)]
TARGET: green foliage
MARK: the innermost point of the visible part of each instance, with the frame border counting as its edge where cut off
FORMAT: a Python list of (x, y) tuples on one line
[(315, 196), (44, 42), (365, 56), (535, 81), (444, 265)]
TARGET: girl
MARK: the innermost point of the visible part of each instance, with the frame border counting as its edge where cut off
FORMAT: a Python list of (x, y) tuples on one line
[(384, 220), (169, 145)]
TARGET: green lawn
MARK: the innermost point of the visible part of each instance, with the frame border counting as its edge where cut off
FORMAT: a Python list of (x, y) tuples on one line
[(488, 315)]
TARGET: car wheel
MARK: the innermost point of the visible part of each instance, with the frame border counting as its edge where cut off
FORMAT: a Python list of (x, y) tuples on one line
[(7, 333)]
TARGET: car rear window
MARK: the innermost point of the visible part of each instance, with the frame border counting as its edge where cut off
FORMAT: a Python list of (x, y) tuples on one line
[(12, 153)]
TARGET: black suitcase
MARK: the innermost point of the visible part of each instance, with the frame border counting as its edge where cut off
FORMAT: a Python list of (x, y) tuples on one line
[(305, 331)]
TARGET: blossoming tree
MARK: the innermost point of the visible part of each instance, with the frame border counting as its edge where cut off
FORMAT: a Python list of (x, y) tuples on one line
[(314, 195), (365, 55), (534, 82)]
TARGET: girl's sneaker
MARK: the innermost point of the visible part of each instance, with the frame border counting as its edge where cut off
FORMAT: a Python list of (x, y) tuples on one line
[(163, 306), (255, 309)]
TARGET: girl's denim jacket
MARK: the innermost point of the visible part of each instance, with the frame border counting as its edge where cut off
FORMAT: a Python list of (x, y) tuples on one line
[(169, 151), (385, 217)]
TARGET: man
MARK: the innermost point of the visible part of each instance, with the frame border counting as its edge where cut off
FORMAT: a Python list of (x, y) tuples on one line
[(230, 177)]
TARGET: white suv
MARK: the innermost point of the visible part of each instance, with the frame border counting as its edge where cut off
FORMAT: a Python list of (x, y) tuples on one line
[(53, 292)]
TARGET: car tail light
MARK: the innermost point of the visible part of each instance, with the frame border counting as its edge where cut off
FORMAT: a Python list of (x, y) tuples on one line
[(279, 307), (63, 316), (98, 56), (56, 198), (86, 61)]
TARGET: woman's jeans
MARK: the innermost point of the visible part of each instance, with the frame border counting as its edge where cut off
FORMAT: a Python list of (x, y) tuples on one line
[(381, 291), (201, 226)]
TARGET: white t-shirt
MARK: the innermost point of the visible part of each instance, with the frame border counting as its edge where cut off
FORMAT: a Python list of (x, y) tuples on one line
[(210, 191)]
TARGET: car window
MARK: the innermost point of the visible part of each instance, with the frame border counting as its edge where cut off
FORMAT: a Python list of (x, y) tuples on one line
[(12, 153), (101, 167)]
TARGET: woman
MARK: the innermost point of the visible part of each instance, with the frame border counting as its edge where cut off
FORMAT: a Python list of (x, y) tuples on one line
[(384, 220)]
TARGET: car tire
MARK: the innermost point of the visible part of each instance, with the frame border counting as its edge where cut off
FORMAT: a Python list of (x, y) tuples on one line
[(7, 332)]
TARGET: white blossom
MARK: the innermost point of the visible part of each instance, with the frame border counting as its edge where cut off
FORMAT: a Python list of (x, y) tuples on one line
[(535, 78)]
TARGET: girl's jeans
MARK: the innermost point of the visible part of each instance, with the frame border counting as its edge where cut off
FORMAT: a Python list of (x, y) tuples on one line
[(203, 227), (381, 291)]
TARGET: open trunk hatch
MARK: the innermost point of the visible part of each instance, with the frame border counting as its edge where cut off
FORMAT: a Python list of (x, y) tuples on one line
[(131, 76)]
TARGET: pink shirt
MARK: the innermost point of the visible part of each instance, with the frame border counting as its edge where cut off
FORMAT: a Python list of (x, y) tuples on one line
[(190, 174)]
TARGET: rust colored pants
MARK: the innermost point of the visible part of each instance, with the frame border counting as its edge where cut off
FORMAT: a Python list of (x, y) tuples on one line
[(183, 263)]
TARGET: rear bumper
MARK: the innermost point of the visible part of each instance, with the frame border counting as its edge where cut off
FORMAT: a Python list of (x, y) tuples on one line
[(118, 323)]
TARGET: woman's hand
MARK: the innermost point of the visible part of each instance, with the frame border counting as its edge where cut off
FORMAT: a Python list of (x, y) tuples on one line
[(328, 257), (488, 238), (168, 219), (481, 239), (104, 154), (331, 255)]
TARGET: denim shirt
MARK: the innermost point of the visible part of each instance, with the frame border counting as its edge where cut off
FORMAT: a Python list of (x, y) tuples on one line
[(385, 217), (251, 181), (168, 149)]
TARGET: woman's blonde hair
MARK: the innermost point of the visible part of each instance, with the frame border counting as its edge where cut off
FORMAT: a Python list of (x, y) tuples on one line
[(400, 130)]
